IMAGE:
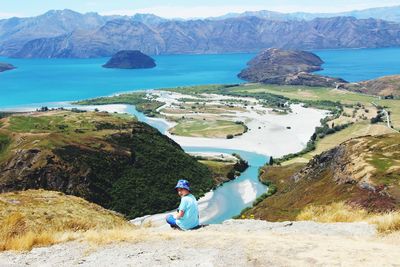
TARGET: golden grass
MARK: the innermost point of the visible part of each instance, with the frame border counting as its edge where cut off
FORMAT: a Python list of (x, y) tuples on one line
[(40, 218), (340, 212)]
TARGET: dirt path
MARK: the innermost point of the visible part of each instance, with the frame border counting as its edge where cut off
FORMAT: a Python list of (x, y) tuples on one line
[(238, 243)]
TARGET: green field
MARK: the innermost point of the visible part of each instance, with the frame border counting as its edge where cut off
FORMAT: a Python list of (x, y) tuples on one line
[(321, 94), (211, 128), (138, 99), (274, 94)]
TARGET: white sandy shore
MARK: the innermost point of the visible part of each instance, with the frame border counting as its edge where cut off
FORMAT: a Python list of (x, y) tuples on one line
[(268, 133)]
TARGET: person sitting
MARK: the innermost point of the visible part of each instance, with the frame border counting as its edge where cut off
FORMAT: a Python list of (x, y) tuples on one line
[(187, 216)]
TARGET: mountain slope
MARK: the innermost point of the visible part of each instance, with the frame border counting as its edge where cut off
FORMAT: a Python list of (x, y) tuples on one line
[(15, 32), (248, 34), (383, 86), (362, 172), (114, 161)]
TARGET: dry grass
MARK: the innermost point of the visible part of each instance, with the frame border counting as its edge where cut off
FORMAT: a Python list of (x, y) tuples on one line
[(40, 218), (340, 212)]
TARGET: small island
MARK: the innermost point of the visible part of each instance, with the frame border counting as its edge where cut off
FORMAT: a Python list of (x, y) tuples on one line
[(5, 67), (130, 59), (287, 67)]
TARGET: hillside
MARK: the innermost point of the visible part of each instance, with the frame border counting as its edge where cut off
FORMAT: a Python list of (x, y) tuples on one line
[(111, 160), (244, 34), (383, 86), (42, 217), (286, 67), (362, 172)]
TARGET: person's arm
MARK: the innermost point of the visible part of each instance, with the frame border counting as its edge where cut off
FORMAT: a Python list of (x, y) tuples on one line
[(181, 209), (179, 214)]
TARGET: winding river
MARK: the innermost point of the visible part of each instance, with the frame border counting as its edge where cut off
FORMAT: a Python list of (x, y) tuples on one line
[(230, 198)]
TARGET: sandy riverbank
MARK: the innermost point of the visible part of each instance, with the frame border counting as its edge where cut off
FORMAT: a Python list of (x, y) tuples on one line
[(269, 133)]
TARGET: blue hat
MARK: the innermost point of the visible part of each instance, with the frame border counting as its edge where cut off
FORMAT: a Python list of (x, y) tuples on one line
[(183, 184)]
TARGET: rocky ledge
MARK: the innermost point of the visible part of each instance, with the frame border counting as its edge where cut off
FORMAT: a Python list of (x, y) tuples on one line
[(130, 59), (287, 67)]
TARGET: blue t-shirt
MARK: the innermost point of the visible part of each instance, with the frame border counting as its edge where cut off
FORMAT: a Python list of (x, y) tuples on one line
[(190, 217)]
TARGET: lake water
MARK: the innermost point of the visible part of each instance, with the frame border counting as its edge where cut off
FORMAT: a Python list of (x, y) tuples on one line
[(360, 64), (52, 80)]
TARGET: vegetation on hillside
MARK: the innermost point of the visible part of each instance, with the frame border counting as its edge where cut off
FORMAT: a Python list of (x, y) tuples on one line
[(37, 218), (362, 173), (112, 160)]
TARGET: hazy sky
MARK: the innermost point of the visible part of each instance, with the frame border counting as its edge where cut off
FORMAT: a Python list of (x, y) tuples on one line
[(183, 8)]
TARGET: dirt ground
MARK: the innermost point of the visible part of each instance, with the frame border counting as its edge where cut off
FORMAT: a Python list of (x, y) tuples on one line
[(234, 243)]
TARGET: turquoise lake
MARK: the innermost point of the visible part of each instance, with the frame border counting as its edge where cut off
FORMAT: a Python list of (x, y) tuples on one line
[(53, 80)]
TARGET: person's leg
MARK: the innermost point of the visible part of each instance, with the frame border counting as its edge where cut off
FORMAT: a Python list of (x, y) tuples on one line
[(171, 221)]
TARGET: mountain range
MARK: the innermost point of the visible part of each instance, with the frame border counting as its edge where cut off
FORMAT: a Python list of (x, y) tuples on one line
[(385, 13), (68, 34)]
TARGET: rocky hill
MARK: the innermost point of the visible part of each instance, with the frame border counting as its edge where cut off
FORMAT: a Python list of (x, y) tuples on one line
[(362, 172), (111, 160), (287, 67), (243, 34), (384, 86), (130, 59), (5, 67)]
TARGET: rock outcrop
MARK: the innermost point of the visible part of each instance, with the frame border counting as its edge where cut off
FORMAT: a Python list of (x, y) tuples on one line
[(5, 67), (287, 67), (130, 59)]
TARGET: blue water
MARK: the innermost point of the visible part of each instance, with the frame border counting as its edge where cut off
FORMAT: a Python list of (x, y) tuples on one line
[(227, 198), (54, 80), (360, 64)]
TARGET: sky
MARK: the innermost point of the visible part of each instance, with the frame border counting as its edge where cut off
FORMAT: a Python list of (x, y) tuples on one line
[(183, 8)]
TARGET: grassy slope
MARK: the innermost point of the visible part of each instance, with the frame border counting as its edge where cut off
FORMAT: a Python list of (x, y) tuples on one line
[(97, 156), (38, 217), (379, 155)]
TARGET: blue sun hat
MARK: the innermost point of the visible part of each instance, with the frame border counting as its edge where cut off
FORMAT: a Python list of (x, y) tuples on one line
[(183, 184)]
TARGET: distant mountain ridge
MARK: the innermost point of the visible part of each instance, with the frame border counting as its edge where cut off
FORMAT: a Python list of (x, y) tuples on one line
[(68, 34), (391, 13)]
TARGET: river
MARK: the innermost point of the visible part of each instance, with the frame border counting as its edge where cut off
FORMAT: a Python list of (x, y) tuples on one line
[(229, 199)]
